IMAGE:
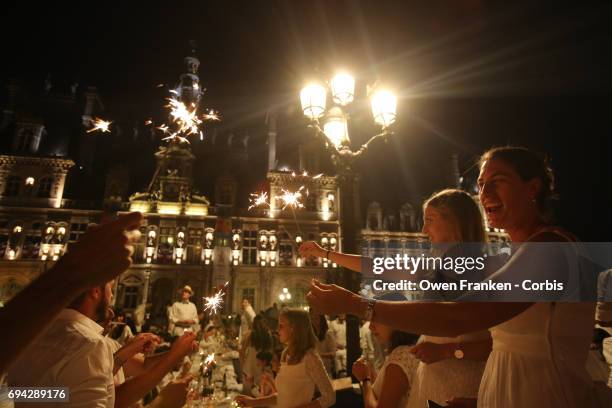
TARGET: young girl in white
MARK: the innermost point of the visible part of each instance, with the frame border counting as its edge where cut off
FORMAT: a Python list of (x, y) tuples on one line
[(391, 385), (301, 370)]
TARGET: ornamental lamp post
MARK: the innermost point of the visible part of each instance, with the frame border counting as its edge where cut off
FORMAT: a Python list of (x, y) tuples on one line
[(330, 122)]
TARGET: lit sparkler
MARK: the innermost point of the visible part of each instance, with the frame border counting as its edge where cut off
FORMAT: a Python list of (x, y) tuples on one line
[(258, 200), (213, 303), (101, 125), (207, 363), (164, 128), (186, 118), (292, 199), (212, 115)]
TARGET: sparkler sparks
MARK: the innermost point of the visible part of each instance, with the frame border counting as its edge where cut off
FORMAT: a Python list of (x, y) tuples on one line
[(292, 199), (164, 128), (213, 303), (186, 118), (101, 125), (258, 200), (207, 363), (212, 115)]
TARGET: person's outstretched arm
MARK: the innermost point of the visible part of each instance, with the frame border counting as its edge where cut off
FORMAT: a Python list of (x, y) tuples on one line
[(443, 319), (352, 262), (101, 254)]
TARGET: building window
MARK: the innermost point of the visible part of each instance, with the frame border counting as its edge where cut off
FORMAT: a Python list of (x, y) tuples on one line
[(13, 184), (249, 248), (31, 247), (377, 248), (225, 194), (311, 202), (394, 247), (24, 140), (76, 230), (166, 245), (44, 187), (286, 254), (130, 297), (194, 245), (249, 294)]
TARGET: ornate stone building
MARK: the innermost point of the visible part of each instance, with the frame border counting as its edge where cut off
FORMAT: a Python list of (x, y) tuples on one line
[(197, 228)]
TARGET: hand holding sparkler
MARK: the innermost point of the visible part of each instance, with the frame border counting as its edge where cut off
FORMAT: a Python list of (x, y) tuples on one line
[(184, 345)]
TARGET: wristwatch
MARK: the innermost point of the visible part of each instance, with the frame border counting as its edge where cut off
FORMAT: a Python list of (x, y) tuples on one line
[(458, 353)]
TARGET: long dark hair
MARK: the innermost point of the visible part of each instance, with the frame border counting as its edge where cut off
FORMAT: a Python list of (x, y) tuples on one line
[(323, 327), (303, 336), (401, 338), (260, 337), (528, 165)]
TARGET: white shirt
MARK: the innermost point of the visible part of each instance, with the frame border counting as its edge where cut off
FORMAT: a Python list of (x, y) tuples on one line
[(339, 331), (71, 353), (296, 383), (184, 310), (404, 359)]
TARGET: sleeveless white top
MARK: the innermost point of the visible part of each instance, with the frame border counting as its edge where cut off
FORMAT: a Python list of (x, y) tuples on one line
[(539, 356), (447, 378), (404, 359), (296, 383)]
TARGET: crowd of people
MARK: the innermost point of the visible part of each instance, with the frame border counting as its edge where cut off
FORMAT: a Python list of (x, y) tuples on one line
[(443, 351)]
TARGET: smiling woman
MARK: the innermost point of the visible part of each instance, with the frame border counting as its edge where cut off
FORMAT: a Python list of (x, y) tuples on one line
[(549, 341)]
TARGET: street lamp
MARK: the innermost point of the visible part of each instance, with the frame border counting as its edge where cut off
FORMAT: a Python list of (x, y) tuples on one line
[(332, 125)]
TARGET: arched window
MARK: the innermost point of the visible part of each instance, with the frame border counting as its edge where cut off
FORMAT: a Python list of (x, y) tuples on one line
[(44, 188), (13, 185)]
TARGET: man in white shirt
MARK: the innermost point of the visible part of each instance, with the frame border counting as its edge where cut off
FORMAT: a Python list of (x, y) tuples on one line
[(72, 353), (183, 314), (246, 320), (338, 329)]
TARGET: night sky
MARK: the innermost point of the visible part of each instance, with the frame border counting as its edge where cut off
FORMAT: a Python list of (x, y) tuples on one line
[(470, 74)]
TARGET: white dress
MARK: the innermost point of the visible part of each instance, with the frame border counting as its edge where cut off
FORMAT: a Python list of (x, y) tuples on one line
[(539, 356), (404, 359), (447, 378), (538, 359), (296, 383)]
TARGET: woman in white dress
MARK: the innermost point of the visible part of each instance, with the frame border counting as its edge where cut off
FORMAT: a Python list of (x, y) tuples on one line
[(539, 349), (301, 372), (390, 387), (450, 366)]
